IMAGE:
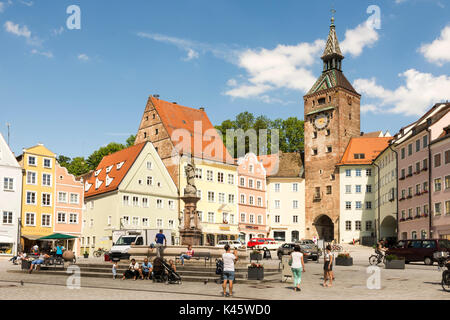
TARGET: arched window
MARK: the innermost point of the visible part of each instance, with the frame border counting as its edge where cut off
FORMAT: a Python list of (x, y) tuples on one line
[(414, 234)]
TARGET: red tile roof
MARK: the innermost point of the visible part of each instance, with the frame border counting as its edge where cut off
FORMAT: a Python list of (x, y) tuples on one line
[(114, 166), (175, 116), (370, 147)]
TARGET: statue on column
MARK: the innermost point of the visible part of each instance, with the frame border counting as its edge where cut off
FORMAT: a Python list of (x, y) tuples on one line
[(191, 189)]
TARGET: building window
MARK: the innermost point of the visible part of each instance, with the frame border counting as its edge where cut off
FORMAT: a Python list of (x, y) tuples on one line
[(221, 197), (171, 224), (447, 157), (258, 184), (231, 198), (329, 189), (149, 181), (46, 199), (358, 205), (368, 172), (231, 218), (198, 173), (230, 178), (171, 204), (277, 187), (149, 165), (259, 202), (447, 207), (46, 220), (74, 198), (145, 222), (126, 200), (8, 184), (251, 218), (209, 175), (210, 196), (329, 149), (31, 161), (358, 172), (47, 163), (159, 223), (348, 205), (277, 219), (199, 194), (348, 172), (31, 197), (358, 188), (368, 205), (447, 182), (211, 217), (402, 153), (277, 204), (251, 200), (250, 168), (145, 202), (242, 217), (437, 160), (73, 218), (437, 184), (314, 151), (425, 141), (200, 216), (348, 189), (220, 177), (135, 202), (294, 204), (368, 225), (31, 177), (159, 203), (410, 148), (62, 197), (314, 135), (242, 182), (135, 221), (295, 187), (7, 217), (417, 145), (437, 209), (368, 188), (30, 219), (348, 225), (61, 217), (243, 198), (250, 183), (358, 225)]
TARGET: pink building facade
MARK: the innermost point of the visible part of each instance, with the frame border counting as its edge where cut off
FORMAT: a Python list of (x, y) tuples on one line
[(440, 177), (415, 171), (68, 207), (252, 198)]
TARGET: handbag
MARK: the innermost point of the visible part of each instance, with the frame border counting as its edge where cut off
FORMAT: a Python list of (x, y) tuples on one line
[(290, 261)]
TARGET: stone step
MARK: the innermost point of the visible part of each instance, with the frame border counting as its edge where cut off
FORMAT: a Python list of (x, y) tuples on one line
[(108, 267), (185, 278)]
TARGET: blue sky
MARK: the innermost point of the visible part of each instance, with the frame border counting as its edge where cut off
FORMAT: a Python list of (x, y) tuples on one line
[(76, 90)]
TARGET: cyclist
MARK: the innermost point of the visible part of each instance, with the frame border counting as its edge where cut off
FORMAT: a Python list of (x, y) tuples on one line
[(380, 249)]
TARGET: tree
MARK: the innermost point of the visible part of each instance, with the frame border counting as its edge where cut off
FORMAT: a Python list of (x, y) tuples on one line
[(63, 161), (130, 141), (94, 159), (78, 166)]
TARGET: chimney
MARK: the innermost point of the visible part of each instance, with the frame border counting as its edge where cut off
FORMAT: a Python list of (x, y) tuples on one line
[(361, 134), (156, 96), (202, 109)]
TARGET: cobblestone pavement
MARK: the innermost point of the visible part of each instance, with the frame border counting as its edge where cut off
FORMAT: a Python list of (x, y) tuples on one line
[(417, 281)]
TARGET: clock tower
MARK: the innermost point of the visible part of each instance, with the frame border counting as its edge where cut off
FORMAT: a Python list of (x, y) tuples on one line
[(332, 117)]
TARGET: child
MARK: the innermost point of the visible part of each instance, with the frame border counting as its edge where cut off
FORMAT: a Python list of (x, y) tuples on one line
[(172, 265), (114, 270)]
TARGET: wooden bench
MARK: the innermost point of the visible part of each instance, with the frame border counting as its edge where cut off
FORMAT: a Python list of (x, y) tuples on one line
[(200, 255)]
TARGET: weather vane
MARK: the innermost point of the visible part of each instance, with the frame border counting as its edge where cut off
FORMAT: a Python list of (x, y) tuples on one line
[(332, 14)]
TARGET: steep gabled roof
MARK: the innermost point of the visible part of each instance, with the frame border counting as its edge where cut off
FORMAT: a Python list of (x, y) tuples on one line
[(370, 147), (175, 117), (331, 79), (111, 171)]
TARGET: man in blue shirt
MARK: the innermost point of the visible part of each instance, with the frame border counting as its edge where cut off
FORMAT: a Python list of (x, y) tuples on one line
[(161, 241), (146, 269)]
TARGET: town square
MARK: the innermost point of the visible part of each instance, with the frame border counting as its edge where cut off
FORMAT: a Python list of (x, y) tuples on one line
[(293, 151)]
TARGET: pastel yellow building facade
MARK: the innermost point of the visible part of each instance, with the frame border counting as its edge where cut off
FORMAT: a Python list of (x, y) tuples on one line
[(216, 184), (37, 218)]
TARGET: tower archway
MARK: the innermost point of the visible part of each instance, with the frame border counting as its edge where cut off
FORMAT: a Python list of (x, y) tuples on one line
[(324, 227)]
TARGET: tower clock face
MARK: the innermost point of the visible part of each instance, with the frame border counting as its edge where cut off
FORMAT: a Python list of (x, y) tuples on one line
[(321, 121)]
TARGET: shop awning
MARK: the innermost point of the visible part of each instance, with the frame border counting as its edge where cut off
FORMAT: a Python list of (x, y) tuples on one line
[(57, 236), (31, 237)]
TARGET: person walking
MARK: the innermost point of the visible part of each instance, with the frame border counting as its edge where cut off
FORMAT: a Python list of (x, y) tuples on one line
[(161, 241), (229, 259), (188, 255), (59, 250), (328, 267), (297, 267)]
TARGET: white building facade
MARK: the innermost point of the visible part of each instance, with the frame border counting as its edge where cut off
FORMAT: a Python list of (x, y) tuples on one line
[(10, 199)]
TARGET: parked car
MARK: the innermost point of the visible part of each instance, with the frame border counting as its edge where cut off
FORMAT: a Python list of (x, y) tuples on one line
[(285, 249), (419, 249), (234, 244), (309, 249), (261, 243)]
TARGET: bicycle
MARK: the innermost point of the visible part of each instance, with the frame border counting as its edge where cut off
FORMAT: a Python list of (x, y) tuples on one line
[(99, 252), (377, 258), (444, 262), (336, 247)]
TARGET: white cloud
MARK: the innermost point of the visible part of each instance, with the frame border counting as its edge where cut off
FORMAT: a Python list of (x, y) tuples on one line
[(281, 67), (358, 38), (438, 51), (17, 30), (420, 91), (27, 3), (83, 57), (47, 54)]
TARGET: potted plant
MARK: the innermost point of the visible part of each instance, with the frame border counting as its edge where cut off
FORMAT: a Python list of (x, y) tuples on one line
[(255, 272), (86, 254), (394, 262), (255, 255), (344, 259)]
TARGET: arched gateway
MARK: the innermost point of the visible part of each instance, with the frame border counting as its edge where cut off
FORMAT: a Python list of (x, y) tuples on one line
[(324, 227)]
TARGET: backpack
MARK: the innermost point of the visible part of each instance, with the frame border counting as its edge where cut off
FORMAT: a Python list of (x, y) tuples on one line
[(219, 266)]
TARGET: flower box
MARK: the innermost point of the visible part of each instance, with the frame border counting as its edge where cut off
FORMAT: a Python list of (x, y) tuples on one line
[(402, 219), (424, 169), (344, 261), (255, 273), (395, 264)]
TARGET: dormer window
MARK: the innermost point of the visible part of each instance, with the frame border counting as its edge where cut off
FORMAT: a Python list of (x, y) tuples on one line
[(359, 156), (321, 101)]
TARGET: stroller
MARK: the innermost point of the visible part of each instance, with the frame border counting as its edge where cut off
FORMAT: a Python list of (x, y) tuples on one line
[(163, 272)]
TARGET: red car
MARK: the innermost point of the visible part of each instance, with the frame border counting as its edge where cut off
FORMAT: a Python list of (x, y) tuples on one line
[(262, 243)]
